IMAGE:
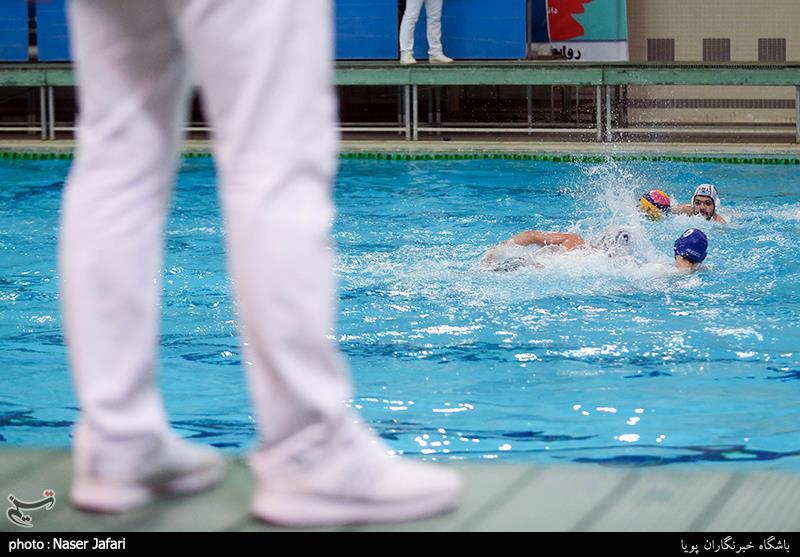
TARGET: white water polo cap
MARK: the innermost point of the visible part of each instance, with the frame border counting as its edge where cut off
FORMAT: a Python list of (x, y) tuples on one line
[(708, 190), (615, 241)]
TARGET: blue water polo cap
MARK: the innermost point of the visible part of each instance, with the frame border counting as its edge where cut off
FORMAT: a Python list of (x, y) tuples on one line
[(692, 245)]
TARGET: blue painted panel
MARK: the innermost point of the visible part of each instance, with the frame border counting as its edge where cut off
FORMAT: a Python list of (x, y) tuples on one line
[(52, 32), (366, 29), (474, 29), (13, 30)]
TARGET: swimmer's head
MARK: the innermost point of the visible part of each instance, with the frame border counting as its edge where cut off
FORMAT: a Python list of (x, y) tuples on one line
[(654, 204), (692, 246), (615, 241), (705, 201)]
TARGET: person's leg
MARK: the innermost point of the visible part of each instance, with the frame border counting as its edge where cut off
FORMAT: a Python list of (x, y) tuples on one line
[(275, 145), (132, 95), (408, 24), (268, 91), (433, 13)]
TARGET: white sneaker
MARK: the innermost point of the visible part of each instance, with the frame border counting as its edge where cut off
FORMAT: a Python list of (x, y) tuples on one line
[(439, 59), (406, 59), (174, 468), (353, 487)]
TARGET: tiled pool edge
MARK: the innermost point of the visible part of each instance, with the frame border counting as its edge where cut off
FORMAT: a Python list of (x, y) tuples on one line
[(567, 157), (578, 153), (499, 497)]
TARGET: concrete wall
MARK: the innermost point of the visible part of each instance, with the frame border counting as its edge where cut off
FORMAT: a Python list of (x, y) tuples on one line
[(689, 22)]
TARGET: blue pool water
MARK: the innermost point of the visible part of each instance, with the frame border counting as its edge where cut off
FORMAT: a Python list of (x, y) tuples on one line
[(582, 359)]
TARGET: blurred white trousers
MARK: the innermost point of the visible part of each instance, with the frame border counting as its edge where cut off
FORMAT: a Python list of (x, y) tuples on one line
[(433, 15), (265, 74)]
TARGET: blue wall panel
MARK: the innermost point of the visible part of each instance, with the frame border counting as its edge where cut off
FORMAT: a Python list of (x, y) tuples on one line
[(13, 30), (366, 29), (478, 30), (51, 25)]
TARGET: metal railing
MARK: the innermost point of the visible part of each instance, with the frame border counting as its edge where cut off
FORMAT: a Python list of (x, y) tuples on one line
[(602, 77)]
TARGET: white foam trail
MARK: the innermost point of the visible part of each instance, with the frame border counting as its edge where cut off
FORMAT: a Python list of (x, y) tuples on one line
[(606, 198), (786, 213)]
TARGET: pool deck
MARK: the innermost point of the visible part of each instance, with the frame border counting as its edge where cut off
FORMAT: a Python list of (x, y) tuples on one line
[(780, 150), (499, 497), (483, 145)]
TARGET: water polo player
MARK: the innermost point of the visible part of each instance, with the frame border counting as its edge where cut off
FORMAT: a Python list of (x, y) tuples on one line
[(615, 241), (705, 202), (691, 249)]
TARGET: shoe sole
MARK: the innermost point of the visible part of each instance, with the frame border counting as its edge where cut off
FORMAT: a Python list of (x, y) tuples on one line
[(105, 497), (293, 510), (434, 62)]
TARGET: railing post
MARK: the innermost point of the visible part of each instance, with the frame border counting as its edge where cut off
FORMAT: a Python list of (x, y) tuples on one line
[(598, 108), (797, 113), (608, 114), (415, 111), (52, 112), (407, 109), (42, 112), (400, 110), (529, 97)]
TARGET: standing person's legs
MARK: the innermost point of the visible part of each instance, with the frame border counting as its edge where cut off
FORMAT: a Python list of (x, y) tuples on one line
[(266, 74), (407, 25), (132, 95), (267, 90), (433, 13)]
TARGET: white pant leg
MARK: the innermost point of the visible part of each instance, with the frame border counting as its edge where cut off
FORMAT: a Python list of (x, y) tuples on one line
[(132, 95), (433, 13), (266, 74), (407, 25)]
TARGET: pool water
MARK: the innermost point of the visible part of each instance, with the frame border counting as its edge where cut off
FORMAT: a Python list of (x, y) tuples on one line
[(584, 358)]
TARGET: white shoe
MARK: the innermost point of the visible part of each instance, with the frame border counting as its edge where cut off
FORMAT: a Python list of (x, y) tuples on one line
[(174, 468), (406, 59), (353, 487), (439, 59)]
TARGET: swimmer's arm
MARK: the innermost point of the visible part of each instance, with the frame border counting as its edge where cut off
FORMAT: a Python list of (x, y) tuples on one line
[(718, 218), (565, 239), (682, 209)]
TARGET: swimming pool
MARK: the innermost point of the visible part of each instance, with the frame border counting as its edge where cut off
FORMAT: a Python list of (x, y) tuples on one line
[(585, 359)]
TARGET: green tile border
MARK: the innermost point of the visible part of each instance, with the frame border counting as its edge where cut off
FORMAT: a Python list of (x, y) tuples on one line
[(423, 156), (35, 155), (580, 158)]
